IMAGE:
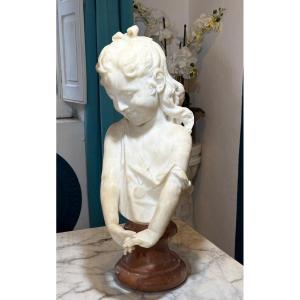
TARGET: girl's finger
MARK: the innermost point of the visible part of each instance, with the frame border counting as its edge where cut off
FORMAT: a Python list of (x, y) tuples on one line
[(130, 249), (133, 242)]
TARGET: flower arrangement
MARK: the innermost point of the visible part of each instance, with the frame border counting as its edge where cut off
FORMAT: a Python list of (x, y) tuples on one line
[(182, 62)]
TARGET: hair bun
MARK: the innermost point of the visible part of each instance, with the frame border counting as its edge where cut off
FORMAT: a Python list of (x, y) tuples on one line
[(133, 31), (117, 36)]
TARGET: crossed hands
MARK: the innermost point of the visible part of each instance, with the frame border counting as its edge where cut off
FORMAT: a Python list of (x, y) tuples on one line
[(129, 239)]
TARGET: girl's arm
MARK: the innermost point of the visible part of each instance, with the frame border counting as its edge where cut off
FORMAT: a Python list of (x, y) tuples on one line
[(109, 178), (110, 185)]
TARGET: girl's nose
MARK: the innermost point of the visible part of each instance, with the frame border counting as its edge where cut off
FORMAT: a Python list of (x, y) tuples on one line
[(122, 105)]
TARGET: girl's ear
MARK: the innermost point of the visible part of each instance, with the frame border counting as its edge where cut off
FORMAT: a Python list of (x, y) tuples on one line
[(159, 78)]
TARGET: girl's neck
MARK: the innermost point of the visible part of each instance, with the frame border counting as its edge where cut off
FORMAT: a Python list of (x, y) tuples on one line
[(158, 120)]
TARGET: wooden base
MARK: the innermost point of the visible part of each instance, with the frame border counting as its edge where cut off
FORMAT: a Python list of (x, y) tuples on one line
[(152, 269)]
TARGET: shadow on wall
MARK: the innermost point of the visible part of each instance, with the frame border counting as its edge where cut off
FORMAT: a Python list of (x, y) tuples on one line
[(208, 42), (216, 182)]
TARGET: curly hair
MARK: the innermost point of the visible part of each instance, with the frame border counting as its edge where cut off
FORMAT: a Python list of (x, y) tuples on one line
[(138, 55)]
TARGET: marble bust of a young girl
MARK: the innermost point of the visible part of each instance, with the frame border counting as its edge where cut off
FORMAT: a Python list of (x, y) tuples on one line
[(146, 153)]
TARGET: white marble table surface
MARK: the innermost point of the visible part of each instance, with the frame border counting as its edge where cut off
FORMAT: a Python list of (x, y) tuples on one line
[(86, 258)]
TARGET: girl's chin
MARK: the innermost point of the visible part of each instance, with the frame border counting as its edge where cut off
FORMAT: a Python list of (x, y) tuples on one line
[(137, 122)]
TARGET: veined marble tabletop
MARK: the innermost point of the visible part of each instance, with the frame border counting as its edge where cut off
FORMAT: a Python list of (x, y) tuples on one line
[(86, 258)]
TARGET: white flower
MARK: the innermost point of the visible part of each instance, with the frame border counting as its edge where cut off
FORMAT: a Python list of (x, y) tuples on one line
[(152, 27), (171, 64), (202, 21), (157, 14), (182, 62), (185, 55), (165, 34)]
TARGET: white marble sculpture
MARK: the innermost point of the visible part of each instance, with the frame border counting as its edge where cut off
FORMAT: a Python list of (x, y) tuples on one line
[(147, 152)]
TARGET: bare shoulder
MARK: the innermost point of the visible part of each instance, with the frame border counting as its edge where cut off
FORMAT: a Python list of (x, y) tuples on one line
[(183, 137), (181, 145), (115, 131), (112, 141)]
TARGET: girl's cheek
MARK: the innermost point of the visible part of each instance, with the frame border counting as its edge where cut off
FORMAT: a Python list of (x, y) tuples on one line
[(144, 101), (136, 101), (153, 102)]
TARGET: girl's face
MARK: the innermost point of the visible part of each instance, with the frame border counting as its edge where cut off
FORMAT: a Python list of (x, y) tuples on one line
[(136, 99)]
